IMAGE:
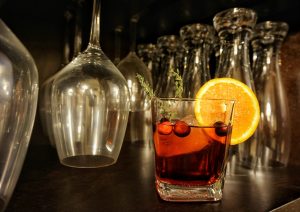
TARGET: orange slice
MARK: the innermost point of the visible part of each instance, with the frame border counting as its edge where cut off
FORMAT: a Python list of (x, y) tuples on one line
[(246, 111)]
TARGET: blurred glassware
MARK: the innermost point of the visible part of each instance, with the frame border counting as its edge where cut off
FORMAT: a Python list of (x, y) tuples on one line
[(234, 27), (18, 103), (118, 33), (139, 129), (274, 129), (68, 15), (168, 47), (90, 106), (198, 42), (147, 53), (73, 33), (216, 57)]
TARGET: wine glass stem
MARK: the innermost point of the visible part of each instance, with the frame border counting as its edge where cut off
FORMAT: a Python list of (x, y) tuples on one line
[(133, 23), (78, 29), (95, 27), (66, 52), (118, 31)]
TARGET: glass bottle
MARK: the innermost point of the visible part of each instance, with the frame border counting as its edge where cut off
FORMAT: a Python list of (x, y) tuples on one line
[(18, 103), (197, 42), (234, 27), (139, 129), (274, 129), (168, 47), (90, 106)]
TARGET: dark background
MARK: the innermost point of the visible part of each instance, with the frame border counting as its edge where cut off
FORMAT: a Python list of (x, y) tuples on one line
[(40, 24)]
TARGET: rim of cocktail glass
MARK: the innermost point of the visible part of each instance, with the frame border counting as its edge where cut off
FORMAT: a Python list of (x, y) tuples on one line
[(229, 101), (192, 99)]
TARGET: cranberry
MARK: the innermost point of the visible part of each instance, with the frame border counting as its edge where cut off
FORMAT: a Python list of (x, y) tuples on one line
[(181, 129), (221, 129), (164, 128)]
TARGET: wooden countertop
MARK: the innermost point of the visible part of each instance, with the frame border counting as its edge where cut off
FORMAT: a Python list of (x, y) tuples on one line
[(46, 185)]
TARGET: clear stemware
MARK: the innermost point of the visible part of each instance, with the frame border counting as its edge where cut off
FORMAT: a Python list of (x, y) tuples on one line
[(90, 106), (18, 101), (139, 128)]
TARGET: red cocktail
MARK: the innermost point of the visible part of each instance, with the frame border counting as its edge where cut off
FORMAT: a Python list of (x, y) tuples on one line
[(191, 152)]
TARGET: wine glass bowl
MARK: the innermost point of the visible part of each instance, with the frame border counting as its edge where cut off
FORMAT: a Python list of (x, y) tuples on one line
[(18, 102), (90, 106), (139, 129)]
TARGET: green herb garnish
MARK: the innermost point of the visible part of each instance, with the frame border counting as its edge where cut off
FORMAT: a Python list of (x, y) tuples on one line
[(178, 83), (164, 109), (147, 87)]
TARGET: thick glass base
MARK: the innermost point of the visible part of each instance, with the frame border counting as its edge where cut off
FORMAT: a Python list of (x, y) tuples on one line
[(176, 193), (87, 161)]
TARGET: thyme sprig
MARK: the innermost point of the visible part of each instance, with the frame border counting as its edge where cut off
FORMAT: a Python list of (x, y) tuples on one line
[(178, 83), (149, 90), (164, 108), (147, 87)]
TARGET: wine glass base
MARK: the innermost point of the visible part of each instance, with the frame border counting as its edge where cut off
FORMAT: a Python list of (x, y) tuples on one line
[(87, 161)]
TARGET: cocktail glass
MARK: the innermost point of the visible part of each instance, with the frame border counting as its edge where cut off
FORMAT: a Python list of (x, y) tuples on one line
[(191, 140)]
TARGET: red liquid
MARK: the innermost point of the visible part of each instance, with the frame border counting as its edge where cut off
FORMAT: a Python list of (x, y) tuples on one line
[(196, 159)]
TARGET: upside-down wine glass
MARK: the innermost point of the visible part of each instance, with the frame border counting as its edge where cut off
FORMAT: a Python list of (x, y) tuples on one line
[(18, 101), (139, 129), (90, 106)]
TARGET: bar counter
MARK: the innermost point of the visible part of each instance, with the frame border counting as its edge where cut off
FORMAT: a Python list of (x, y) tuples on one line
[(128, 185)]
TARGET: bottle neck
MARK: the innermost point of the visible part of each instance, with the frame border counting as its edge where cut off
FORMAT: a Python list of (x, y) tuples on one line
[(234, 61), (198, 60)]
